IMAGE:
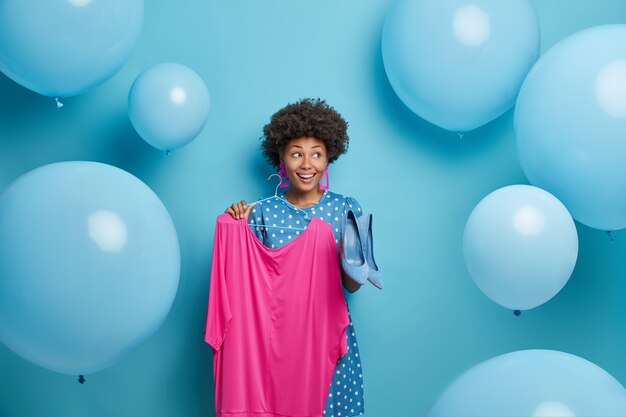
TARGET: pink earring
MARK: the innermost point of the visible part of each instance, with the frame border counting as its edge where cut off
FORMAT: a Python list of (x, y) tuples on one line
[(325, 186), (284, 179)]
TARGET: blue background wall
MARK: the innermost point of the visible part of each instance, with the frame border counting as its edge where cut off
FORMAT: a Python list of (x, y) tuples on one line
[(430, 323)]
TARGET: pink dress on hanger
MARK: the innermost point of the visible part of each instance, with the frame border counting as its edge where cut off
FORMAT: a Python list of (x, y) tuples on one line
[(276, 321)]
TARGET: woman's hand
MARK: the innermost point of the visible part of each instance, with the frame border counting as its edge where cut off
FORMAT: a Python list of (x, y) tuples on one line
[(240, 210)]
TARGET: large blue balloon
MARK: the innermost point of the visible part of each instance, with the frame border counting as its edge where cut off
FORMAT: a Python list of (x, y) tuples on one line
[(520, 246), (168, 105), (533, 383), (459, 64), (89, 265), (62, 48), (570, 125)]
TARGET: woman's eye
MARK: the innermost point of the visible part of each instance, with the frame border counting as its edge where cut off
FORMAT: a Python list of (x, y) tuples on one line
[(317, 155), (296, 155)]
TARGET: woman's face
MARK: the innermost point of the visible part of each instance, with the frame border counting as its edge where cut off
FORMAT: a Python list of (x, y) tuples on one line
[(305, 161)]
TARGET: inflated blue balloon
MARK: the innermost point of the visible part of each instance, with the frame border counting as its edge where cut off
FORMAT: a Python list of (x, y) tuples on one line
[(63, 48), (168, 105), (459, 64), (533, 383), (520, 246), (570, 125), (89, 265)]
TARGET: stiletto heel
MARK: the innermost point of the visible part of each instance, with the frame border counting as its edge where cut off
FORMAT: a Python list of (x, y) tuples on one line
[(353, 259), (368, 249)]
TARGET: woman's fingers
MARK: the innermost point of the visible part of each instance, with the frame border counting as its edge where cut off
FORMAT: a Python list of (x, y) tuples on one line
[(230, 211), (236, 209), (240, 210), (248, 210)]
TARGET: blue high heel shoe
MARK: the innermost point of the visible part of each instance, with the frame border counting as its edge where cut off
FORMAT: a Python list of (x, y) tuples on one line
[(353, 260), (373, 275)]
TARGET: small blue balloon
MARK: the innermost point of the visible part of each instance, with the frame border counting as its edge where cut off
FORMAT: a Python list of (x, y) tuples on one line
[(570, 125), (63, 48), (459, 64), (89, 265), (534, 383), (520, 246), (168, 105)]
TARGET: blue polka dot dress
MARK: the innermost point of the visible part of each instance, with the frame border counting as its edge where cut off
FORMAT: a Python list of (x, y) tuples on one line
[(345, 394)]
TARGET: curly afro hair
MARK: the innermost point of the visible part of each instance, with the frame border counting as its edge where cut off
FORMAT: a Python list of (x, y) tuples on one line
[(308, 118)]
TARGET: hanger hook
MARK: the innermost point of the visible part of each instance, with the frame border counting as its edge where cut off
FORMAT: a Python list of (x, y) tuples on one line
[(280, 181), (306, 215)]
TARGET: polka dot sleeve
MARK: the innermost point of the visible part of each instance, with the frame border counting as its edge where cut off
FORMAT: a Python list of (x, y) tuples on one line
[(354, 205), (256, 218)]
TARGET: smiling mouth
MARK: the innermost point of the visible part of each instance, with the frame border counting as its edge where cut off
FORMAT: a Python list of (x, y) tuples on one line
[(305, 176)]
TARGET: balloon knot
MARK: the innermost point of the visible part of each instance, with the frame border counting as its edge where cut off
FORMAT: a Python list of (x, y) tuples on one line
[(517, 313), (611, 235), (460, 135), (168, 152), (81, 379), (59, 104)]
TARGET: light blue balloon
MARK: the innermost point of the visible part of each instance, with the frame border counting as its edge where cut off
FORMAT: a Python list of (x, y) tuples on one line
[(520, 246), (532, 383), (459, 64), (62, 48), (89, 265), (570, 125), (168, 105)]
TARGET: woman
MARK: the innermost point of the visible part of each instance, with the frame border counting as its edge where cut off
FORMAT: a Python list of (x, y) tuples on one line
[(302, 139)]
